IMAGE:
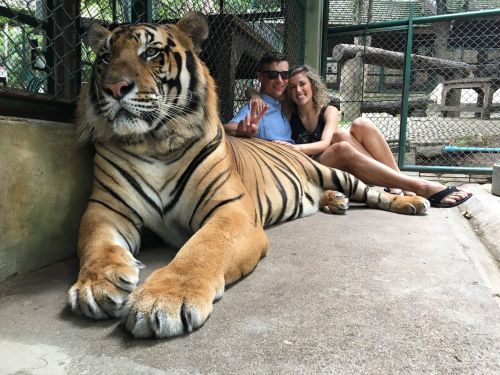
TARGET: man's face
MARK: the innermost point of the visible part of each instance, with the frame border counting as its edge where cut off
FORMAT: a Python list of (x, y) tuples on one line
[(274, 87)]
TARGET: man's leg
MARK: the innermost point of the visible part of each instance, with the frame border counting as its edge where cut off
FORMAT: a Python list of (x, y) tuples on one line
[(344, 156)]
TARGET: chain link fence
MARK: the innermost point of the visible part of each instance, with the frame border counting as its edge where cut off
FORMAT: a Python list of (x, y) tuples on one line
[(447, 118), (42, 56)]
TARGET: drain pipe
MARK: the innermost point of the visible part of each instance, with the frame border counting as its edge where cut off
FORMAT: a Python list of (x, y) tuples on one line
[(470, 149)]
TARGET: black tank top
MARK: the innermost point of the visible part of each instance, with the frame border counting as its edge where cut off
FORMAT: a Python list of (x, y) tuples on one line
[(300, 134)]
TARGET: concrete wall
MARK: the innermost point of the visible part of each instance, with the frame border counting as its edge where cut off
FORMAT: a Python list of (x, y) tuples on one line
[(44, 186)]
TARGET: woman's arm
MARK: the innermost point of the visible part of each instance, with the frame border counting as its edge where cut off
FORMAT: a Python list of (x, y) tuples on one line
[(331, 116), (254, 97)]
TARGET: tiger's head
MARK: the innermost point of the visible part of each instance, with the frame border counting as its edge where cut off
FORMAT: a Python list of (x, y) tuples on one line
[(148, 83)]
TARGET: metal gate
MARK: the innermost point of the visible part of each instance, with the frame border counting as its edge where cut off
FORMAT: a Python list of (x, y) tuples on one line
[(431, 84)]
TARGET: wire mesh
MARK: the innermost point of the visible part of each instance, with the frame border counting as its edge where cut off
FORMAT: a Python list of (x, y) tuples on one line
[(42, 53), (352, 12), (453, 117)]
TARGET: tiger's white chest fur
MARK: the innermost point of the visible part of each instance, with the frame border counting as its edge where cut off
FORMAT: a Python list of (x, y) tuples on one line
[(151, 187)]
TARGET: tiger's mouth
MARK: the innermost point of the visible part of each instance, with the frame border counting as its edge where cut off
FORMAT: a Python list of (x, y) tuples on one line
[(124, 114), (126, 123)]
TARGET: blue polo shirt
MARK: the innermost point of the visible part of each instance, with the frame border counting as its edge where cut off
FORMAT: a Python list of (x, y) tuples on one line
[(274, 126)]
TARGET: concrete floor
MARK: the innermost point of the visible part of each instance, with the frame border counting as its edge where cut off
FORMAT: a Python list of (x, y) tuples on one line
[(366, 293)]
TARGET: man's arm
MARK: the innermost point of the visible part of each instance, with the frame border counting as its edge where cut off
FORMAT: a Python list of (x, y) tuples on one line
[(241, 129), (247, 126)]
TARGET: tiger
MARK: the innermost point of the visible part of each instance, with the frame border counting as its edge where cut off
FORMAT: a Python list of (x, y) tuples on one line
[(163, 161)]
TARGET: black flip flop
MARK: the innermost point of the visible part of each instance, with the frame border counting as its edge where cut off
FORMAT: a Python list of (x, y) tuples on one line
[(436, 198)]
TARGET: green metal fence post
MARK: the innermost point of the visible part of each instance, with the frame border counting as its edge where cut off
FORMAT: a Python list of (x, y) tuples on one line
[(324, 38), (406, 92)]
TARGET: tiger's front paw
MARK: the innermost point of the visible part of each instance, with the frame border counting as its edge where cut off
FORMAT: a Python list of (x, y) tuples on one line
[(168, 305), (333, 202), (104, 283)]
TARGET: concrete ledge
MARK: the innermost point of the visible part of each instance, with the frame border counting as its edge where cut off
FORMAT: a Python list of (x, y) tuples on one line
[(45, 184), (484, 211)]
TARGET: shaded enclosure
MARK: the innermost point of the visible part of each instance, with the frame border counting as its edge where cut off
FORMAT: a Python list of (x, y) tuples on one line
[(43, 61)]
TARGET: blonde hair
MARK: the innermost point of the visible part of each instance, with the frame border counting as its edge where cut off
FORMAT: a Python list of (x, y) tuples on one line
[(319, 91)]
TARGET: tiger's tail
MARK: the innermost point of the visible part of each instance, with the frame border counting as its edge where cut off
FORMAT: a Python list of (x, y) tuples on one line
[(334, 181)]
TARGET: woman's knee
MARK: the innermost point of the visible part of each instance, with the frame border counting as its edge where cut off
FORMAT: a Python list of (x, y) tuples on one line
[(340, 135), (340, 153), (362, 125)]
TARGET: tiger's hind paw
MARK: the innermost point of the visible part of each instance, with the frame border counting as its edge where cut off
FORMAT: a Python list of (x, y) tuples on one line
[(411, 205), (333, 202)]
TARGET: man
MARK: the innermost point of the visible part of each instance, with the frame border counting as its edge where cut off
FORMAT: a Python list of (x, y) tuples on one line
[(273, 75), (270, 124)]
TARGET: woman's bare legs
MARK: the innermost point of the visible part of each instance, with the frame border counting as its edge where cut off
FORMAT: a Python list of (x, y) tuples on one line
[(343, 155), (365, 137)]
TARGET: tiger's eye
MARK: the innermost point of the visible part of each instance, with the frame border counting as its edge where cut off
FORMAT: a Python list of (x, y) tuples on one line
[(150, 52), (106, 57)]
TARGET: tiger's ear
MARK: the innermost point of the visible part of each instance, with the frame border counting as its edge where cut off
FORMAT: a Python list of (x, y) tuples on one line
[(96, 36), (194, 25)]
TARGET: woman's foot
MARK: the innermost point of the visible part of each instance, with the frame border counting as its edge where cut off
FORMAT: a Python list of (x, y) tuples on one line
[(445, 196)]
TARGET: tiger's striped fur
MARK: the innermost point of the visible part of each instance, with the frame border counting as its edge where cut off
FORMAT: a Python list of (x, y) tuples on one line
[(163, 161)]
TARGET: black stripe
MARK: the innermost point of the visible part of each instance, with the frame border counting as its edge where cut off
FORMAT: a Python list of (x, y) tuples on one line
[(216, 189), (149, 36), (133, 183), (149, 26), (117, 197), (125, 238), (176, 82), (283, 194), (355, 185), (222, 203), (138, 157), (143, 180), (295, 186), (309, 198), (258, 162), (269, 211), (191, 68), (98, 167), (336, 181), (205, 194), (114, 210), (170, 43), (194, 100), (259, 201), (184, 150), (347, 179), (301, 209), (197, 160)]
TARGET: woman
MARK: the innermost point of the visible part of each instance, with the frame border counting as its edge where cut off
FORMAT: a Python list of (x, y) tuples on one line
[(315, 126), (362, 151)]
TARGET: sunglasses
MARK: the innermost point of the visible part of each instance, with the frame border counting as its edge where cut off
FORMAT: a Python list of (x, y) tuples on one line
[(273, 74)]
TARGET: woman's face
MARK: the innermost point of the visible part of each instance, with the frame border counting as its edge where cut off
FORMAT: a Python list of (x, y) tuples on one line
[(300, 89)]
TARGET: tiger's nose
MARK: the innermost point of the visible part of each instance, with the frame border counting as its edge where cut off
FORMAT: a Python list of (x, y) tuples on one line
[(118, 89)]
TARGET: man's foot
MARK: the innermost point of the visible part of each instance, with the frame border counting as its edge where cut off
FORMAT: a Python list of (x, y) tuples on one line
[(450, 196)]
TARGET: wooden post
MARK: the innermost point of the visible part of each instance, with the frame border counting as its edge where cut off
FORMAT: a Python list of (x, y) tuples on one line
[(351, 87)]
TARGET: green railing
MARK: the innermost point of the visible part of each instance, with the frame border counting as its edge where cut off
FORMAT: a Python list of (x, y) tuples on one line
[(427, 82)]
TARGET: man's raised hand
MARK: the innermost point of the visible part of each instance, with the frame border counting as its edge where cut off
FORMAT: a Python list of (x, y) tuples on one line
[(248, 126)]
